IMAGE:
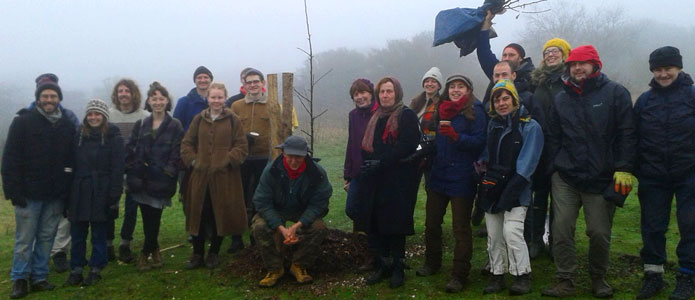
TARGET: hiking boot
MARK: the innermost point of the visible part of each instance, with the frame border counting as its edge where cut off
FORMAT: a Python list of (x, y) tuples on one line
[(382, 271), (495, 285), (368, 265), (143, 263), (562, 289), (397, 273), (300, 274), (41, 286), (212, 261), (92, 278), (454, 285), (124, 254), (426, 270), (157, 259), (20, 289), (75, 279), (521, 285), (111, 253), (652, 284), (237, 244), (60, 262), (196, 261), (600, 288), (271, 278), (685, 286)]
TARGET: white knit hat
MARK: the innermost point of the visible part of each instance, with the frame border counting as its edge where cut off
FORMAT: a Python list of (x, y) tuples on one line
[(99, 106), (435, 74)]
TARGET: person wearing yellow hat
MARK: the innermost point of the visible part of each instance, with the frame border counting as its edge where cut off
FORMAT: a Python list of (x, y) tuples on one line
[(546, 79)]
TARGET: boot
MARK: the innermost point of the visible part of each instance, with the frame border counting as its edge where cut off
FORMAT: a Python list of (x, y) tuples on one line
[(237, 244), (300, 274), (521, 285), (685, 286), (42, 285), (75, 279), (454, 285), (652, 284), (382, 271), (271, 278), (143, 262), (124, 254), (495, 285), (426, 270), (196, 261), (600, 288), (369, 265), (60, 262), (92, 278), (563, 288), (212, 261), (20, 289), (398, 273), (157, 259)]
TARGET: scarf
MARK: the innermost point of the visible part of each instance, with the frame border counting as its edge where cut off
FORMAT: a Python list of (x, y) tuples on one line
[(293, 174), (391, 129), (54, 117), (449, 109), (542, 75)]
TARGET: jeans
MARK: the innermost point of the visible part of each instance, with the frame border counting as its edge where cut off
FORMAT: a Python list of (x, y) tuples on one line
[(130, 217), (655, 197), (598, 215), (151, 220), (36, 226), (505, 242), (99, 259), (351, 202)]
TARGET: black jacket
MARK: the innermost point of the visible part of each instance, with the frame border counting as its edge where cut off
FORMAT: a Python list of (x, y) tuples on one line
[(544, 99), (37, 153), (153, 158), (592, 133), (388, 195), (665, 120), (98, 183)]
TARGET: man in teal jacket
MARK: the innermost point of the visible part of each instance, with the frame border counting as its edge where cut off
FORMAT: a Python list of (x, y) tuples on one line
[(293, 188)]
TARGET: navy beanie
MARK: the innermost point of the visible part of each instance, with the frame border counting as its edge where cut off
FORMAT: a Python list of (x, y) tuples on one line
[(47, 81), (201, 70), (665, 57)]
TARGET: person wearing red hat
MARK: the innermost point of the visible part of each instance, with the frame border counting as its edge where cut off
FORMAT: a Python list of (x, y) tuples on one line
[(592, 142)]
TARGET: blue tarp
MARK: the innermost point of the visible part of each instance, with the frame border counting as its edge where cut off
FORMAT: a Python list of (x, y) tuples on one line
[(462, 25)]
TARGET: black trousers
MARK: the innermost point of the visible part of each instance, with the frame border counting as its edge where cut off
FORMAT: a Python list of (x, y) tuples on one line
[(208, 227), (151, 220)]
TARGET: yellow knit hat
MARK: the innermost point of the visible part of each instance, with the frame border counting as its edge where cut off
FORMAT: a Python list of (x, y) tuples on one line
[(560, 43)]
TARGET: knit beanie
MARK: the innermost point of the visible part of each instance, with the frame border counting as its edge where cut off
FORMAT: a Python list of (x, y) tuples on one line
[(667, 56), (202, 70), (252, 71), (518, 49), (465, 80), (47, 81), (503, 84), (585, 53), (560, 43), (99, 106), (435, 74)]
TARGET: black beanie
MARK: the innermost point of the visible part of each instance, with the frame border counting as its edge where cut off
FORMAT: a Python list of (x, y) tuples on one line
[(47, 81), (201, 70), (518, 48), (665, 57)]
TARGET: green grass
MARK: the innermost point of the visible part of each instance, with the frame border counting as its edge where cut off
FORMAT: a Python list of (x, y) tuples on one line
[(173, 282)]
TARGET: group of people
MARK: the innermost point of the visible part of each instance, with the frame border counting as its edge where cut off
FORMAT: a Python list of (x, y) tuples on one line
[(65, 178), (563, 131)]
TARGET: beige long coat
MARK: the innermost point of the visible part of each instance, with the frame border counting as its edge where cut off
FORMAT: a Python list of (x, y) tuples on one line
[(218, 149)]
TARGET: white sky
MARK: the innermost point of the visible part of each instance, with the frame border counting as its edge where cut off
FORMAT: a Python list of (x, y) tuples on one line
[(84, 42)]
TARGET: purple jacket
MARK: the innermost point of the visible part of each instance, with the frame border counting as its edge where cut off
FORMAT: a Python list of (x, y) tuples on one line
[(353, 154)]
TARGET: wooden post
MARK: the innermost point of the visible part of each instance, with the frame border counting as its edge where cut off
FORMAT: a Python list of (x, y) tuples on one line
[(272, 88), (287, 103)]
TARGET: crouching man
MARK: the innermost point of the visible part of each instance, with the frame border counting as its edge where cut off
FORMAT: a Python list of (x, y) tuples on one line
[(292, 188)]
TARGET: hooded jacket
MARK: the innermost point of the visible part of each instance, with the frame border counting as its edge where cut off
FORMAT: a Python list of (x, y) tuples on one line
[(665, 119)]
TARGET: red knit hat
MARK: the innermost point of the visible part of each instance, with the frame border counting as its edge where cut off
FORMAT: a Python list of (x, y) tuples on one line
[(585, 53)]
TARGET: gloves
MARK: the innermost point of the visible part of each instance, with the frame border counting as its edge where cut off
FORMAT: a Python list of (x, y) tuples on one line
[(449, 132), (369, 167), (19, 201), (623, 182)]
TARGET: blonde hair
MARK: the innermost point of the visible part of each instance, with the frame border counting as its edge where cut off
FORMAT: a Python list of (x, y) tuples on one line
[(219, 86)]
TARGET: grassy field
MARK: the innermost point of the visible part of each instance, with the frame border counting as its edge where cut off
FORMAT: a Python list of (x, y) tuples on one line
[(174, 282)]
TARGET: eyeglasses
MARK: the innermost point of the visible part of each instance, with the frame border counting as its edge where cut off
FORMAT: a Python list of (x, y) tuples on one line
[(551, 51), (253, 81)]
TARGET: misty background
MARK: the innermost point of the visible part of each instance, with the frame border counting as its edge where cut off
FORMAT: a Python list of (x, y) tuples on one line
[(92, 44)]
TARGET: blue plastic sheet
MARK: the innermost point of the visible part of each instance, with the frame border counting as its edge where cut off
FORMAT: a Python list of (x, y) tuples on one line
[(462, 25)]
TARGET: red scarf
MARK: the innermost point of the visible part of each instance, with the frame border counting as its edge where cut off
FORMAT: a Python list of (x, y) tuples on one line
[(449, 109), (294, 174)]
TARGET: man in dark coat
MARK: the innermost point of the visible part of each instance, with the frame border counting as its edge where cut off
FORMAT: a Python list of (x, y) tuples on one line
[(293, 188), (193, 103), (36, 170), (665, 120), (592, 147)]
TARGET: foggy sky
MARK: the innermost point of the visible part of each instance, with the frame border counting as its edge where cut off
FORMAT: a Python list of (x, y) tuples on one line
[(85, 42)]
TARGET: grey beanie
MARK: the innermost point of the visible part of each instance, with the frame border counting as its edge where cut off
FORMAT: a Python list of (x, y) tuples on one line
[(435, 74)]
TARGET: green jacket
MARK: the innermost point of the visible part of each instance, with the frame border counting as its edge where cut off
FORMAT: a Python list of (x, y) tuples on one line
[(278, 199)]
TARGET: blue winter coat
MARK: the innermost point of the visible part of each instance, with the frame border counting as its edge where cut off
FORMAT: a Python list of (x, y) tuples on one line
[(188, 107), (452, 168), (665, 122)]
